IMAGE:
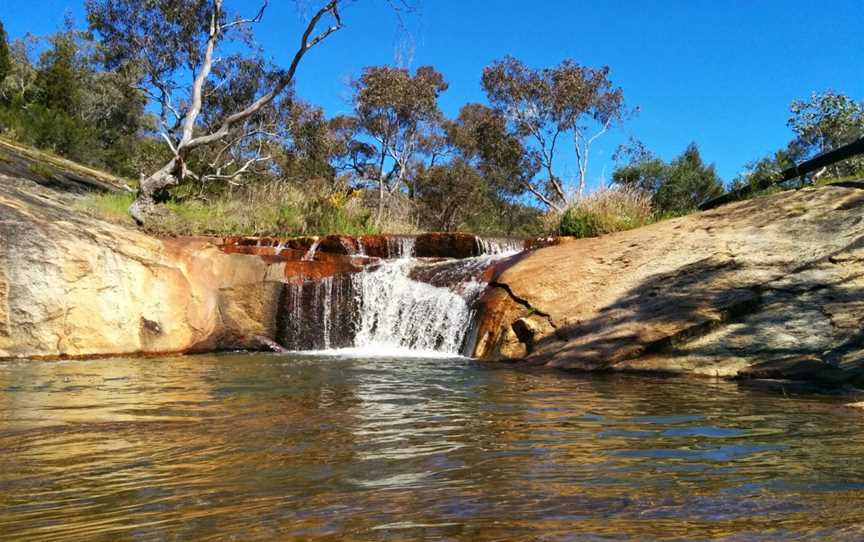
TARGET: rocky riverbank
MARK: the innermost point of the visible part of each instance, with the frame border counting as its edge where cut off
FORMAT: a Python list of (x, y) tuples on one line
[(772, 287), (768, 288)]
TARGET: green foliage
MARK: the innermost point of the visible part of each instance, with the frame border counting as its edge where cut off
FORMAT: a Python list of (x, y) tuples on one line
[(607, 211), (480, 136), (40, 170), (576, 223), (689, 183), (542, 106), (61, 74), (5, 56), (111, 206), (676, 188), (396, 117), (315, 145), (824, 122), (760, 175), (65, 105)]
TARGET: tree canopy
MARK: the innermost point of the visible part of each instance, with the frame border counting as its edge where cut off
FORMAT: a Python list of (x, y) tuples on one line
[(5, 55), (177, 94), (542, 106), (677, 187)]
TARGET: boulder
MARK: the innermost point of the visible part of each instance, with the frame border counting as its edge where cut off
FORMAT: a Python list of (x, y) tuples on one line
[(75, 286), (772, 287)]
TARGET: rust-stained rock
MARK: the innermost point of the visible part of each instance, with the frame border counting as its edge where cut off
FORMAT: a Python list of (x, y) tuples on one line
[(429, 245), (338, 244), (446, 245), (376, 246), (299, 271), (770, 287)]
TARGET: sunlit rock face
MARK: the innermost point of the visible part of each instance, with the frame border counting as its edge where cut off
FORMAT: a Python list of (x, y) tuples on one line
[(71, 285), (770, 287)]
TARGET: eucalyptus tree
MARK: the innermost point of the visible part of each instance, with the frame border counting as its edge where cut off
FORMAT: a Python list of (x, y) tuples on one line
[(5, 55), (480, 135), (18, 84), (398, 116), (178, 47), (547, 104), (825, 121), (677, 187)]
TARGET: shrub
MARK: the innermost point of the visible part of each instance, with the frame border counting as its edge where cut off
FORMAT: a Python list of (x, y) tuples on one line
[(605, 211)]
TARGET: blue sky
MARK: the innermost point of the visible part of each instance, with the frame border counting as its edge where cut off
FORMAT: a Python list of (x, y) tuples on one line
[(720, 73)]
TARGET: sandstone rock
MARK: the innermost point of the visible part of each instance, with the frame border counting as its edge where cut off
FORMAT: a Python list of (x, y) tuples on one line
[(73, 286), (770, 287)]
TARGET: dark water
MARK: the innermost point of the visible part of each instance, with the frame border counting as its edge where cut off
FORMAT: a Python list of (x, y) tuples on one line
[(263, 447)]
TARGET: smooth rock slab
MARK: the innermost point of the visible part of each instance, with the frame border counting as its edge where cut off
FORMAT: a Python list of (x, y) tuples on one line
[(767, 287)]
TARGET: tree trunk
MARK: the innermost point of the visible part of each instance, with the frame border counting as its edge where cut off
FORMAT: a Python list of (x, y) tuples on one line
[(380, 203), (144, 208)]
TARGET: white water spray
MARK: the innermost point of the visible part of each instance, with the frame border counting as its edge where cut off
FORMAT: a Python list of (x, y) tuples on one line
[(397, 312), (499, 246)]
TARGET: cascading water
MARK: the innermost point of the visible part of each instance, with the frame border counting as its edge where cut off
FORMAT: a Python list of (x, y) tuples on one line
[(400, 247), (317, 315), (499, 246), (310, 254), (395, 311), (396, 306)]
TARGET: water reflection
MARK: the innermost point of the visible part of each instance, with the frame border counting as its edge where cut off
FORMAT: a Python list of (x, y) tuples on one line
[(267, 447)]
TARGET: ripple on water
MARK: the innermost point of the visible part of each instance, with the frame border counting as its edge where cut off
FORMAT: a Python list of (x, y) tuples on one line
[(269, 447)]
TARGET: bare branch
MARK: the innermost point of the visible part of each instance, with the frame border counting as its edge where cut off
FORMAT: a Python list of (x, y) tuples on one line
[(331, 7), (238, 172), (170, 143), (541, 197), (201, 77), (256, 19)]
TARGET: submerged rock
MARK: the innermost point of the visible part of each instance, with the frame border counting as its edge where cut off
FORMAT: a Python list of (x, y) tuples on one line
[(772, 287)]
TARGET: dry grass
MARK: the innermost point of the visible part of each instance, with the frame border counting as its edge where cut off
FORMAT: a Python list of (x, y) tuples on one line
[(606, 211), (274, 209)]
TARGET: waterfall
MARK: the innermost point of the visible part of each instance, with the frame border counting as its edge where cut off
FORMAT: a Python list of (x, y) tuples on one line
[(317, 315), (310, 254), (397, 312), (401, 247), (499, 245), (395, 306)]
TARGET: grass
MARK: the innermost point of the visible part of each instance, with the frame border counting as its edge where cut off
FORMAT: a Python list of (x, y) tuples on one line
[(834, 180), (272, 210), (40, 170), (111, 206), (606, 211)]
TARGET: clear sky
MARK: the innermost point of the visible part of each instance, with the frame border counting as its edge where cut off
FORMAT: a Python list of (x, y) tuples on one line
[(720, 73)]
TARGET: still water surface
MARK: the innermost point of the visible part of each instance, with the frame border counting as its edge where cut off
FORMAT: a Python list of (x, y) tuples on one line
[(270, 447)]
